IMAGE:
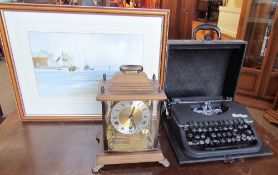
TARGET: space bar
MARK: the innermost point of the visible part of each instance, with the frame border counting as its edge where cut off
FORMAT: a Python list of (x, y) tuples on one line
[(226, 147)]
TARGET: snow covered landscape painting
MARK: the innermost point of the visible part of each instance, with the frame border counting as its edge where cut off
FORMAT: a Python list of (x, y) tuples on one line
[(71, 64)]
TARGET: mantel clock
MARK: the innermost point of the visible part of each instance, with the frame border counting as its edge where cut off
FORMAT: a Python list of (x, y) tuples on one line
[(130, 111)]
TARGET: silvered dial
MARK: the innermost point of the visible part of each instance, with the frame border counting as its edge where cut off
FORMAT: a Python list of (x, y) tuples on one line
[(130, 117)]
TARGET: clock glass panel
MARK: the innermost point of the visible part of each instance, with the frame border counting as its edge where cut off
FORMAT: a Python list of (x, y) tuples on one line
[(131, 125)]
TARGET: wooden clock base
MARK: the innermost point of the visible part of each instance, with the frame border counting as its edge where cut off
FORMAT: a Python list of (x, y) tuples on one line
[(124, 158)]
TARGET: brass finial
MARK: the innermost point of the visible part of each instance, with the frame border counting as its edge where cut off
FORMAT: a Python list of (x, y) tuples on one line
[(154, 77), (104, 77)]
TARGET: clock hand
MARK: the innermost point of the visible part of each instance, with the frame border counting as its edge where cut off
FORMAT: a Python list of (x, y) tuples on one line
[(131, 117), (132, 111), (132, 122)]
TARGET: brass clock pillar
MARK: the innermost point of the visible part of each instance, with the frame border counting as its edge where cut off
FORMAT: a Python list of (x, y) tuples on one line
[(131, 114)]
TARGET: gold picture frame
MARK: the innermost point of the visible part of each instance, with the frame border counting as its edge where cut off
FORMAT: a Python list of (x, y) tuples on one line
[(32, 63)]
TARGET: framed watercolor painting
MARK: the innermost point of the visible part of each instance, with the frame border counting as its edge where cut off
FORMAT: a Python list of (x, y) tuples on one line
[(56, 55)]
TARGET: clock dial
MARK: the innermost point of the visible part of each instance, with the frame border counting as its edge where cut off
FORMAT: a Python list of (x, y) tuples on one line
[(130, 117)]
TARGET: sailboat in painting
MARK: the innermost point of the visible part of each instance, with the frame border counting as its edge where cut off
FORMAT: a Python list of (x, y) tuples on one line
[(87, 66), (61, 62)]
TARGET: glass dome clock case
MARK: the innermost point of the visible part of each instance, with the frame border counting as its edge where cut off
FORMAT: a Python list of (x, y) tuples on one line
[(131, 115)]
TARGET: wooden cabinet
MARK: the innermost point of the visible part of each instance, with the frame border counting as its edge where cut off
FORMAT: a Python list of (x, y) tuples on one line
[(259, 76), (181, 15), (172, 6), (186, 16)]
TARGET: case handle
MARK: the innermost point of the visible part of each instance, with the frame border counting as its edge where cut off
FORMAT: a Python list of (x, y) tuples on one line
[(131, 68), (207, 27)]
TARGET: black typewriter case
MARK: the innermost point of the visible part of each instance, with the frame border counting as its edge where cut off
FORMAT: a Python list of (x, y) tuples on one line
[(201, 71)]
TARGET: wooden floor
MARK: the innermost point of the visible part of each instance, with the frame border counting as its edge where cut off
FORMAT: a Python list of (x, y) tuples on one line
[(71, 149)]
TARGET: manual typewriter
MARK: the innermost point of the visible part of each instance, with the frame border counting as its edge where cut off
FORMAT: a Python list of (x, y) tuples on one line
[(201, 118)]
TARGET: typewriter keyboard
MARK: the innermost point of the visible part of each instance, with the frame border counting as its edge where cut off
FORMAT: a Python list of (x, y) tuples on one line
[(219, 135)]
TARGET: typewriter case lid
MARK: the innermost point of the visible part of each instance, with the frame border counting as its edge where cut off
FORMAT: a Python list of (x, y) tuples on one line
[(206, 69)]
